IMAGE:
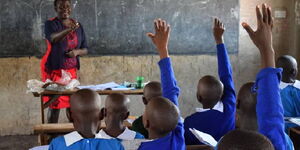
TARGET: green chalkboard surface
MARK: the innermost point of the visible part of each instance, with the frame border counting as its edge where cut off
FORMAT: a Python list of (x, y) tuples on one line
[(119, 27)]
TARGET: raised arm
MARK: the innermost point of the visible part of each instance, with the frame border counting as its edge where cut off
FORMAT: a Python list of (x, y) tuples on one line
[(269, 108), (168, 80), (57, 36), (224, 66)]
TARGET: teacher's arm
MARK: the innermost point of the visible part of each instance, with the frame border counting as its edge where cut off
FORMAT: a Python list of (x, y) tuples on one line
[(78, 52), (55, 37), (83, 49)]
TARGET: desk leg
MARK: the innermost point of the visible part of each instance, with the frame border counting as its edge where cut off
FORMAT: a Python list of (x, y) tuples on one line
[(42, 110)]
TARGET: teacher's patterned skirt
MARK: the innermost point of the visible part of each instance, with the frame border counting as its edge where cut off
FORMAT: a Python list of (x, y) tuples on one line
[(55, 75)]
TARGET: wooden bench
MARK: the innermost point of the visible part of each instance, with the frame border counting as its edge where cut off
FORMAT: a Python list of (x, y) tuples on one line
[(44, 130)]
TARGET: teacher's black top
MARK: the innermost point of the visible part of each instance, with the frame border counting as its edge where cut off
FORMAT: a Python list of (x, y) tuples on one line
[(57, 56)]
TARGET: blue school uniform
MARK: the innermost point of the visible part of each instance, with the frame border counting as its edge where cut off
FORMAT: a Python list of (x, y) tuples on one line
[(269, 107), (219, 120), (175, 139), (290, 97), (289, 142), (74, 141)]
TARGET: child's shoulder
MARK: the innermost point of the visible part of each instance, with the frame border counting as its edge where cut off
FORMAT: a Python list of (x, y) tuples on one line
[(58, 142), (191, 118), (297, 84), (288, 86)]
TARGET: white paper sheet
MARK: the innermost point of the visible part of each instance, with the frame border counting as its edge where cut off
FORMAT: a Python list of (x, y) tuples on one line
[(204, 137), (100, 87)]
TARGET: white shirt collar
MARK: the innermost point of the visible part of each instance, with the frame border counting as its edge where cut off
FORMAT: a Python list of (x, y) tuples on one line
[(283, 85), (126, 135), (218, 107), (72, 138)]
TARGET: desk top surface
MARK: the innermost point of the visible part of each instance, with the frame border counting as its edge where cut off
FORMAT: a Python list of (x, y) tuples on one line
[(103, 92)]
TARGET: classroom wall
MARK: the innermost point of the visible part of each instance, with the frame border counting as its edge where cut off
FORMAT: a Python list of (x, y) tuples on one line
[(20, 111)]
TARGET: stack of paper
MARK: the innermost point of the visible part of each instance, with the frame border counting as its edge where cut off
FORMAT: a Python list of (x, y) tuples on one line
[(100, 87), (107, 86)]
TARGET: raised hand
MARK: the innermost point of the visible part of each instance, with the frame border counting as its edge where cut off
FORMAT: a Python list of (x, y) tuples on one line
[(262, 37), (161, 37), (218, 30)]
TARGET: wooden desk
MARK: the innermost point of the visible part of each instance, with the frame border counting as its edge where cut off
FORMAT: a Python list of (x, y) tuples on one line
[(54, 95), (63, 128)]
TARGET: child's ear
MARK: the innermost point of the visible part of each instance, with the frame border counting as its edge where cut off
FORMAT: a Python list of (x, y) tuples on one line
[(126, 115), (145, 100), (69, 115), (104, 112), (146, 124), (294, 72), (101, 115), (199, 97)]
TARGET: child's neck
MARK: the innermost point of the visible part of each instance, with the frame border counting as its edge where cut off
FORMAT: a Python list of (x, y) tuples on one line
[(209, 106), (153, 135), (88, 135), (288, 79), (114, 129)]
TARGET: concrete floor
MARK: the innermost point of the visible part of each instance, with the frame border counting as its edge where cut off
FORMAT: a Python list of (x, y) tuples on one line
[(18, 142)]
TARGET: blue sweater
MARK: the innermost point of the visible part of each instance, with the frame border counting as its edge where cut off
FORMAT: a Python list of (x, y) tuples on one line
[(214, 122), (269, 108), (175, 139)]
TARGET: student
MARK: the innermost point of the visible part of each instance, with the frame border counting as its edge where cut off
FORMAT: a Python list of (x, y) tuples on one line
[(217, 115), (244, 140), (161, 116), (115, 113), (289, 88), (152, 89), (85, 113), (246, 108), (268, 108)]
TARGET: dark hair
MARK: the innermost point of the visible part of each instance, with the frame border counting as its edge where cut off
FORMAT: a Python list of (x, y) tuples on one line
[(244, 140), (56, 1)]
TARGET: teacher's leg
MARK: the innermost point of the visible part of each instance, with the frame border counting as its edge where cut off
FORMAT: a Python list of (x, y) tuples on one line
[(53, 115)]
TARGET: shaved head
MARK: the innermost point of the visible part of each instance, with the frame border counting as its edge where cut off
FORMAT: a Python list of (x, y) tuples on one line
[(116, 111), (85, 112), (289, 66), (209, 91), (117, 102), (152, 89), (161, 116), (244, 140), (85, 100), (246, 108)]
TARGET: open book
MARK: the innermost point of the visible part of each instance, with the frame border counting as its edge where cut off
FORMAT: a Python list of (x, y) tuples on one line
[(204, 137)]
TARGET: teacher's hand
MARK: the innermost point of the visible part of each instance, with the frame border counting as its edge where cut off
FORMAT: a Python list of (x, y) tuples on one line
[(75, 25), (72, 53)]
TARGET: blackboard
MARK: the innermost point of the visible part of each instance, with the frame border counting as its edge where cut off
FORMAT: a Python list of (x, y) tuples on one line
[(119, 27)]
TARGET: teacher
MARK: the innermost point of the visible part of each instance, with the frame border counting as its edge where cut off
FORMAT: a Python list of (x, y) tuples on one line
[(65, 43)]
